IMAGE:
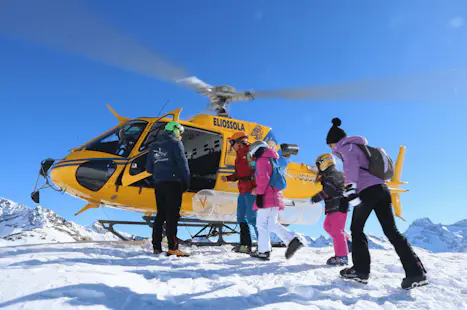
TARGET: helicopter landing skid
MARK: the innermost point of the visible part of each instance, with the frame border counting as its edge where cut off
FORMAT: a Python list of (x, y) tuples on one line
[(210, 229)]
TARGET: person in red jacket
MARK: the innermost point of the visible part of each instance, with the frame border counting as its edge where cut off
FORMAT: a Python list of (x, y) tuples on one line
[(244, 174)]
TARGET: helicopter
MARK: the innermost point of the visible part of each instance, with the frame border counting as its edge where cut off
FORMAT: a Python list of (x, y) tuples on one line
[(109, 170)]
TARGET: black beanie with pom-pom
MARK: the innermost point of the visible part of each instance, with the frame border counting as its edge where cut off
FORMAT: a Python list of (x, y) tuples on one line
[(335, 134)]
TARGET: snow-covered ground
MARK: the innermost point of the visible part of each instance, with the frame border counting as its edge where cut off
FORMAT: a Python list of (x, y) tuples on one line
[(122, 276)]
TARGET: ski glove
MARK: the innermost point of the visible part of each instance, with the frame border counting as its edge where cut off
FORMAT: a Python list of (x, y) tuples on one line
[(352, 195), (344, 205), (259, 201)]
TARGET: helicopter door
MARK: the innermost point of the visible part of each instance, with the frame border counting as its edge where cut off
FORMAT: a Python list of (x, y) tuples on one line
[(135, 169)]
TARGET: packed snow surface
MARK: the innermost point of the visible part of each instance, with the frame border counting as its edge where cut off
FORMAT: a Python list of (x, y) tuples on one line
[(129, 276)]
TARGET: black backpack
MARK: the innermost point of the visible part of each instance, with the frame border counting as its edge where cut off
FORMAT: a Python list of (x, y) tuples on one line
[(380, 164)]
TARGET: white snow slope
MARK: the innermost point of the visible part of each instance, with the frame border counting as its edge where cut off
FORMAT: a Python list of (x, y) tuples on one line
[(97, 276)]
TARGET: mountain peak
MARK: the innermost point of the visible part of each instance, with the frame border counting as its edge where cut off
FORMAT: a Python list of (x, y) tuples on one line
[(24, 225), (424, 222), (9, 208), (462, 223)]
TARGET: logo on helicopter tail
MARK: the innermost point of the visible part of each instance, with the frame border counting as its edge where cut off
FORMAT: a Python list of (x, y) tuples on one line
[(228, 124), (257, 132)]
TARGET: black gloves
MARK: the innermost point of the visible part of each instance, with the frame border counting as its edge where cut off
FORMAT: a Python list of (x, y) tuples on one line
[(259, 201), (315, 199), (344, 205), (352, 195)]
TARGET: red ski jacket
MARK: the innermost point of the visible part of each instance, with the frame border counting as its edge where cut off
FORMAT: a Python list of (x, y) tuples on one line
[(244, 174)]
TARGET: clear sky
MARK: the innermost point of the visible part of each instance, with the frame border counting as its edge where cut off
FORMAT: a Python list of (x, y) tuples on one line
[(51, 100)]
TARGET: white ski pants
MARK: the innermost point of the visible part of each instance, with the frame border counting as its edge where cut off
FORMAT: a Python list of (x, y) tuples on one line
[(266, 222)]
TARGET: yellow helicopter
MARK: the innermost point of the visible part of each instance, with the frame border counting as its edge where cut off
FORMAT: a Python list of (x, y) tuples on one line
[(109, 170)]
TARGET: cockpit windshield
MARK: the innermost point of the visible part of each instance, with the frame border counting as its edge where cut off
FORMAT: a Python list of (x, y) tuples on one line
[(120, 141)]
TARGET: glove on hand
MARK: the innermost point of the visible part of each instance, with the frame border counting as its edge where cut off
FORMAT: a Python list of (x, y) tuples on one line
[(352, 195), (259, 201)]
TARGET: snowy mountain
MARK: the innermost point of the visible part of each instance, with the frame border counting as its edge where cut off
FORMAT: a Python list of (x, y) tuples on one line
[(437, 237), (421, 233), (20, 224)]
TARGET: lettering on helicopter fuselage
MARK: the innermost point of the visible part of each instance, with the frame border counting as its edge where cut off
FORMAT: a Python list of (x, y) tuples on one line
[(305, 177), (228, 124)]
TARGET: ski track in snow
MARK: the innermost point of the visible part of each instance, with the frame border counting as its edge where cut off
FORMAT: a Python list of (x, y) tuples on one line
[(83, 276)]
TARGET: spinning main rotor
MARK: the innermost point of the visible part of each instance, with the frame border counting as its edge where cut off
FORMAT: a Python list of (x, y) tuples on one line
[(69, 26)]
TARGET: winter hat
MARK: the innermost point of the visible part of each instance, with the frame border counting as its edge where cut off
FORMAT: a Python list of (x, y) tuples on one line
[(335, 134)]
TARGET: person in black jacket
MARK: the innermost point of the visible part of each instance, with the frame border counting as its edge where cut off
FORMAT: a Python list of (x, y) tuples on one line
[(336, 207), (169, 168)]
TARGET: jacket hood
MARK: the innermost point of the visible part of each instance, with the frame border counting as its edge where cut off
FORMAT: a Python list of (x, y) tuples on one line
[(351, 140), (270, 153)]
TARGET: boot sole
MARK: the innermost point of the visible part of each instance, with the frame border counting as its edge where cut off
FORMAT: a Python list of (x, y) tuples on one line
[(359, 280), (417, 284)]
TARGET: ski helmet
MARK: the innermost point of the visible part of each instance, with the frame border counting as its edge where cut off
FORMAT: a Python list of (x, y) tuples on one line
[(256, 150), (175, 127), (325, 161), (239, 137)]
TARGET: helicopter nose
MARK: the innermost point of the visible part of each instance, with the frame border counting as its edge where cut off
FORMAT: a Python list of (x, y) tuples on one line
[(62, 175)]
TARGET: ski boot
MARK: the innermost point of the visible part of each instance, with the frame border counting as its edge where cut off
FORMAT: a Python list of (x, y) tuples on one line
[(337, 261), (293, 247), (178, 253), (352, 274), (260, 255), (241, 248), (409, 283), (413, 282)]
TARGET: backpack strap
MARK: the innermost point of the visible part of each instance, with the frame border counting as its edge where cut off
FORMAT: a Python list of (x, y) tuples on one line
[(367, 154), (272, 171)]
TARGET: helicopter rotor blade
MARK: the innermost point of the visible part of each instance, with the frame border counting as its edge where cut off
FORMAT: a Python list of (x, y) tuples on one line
[(68, 25), (448, 85)]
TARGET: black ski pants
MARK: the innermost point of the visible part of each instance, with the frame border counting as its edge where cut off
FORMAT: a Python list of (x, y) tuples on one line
[(169, 200), (378, 198)]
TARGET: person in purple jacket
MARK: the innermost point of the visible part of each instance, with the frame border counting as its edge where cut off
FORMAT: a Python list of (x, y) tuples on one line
[(365, 193)]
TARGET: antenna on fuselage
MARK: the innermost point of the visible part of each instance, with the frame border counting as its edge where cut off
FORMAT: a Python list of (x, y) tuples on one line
[(162, 109)]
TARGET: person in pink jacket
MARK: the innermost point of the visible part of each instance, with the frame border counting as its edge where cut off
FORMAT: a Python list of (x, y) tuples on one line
[(269, 201)]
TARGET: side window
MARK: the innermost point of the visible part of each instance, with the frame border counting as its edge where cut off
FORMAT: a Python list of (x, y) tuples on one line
[(152, 135), (94, 174), (120, 141)]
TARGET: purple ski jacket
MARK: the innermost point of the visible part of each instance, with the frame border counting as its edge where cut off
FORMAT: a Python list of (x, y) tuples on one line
[(354, 158)]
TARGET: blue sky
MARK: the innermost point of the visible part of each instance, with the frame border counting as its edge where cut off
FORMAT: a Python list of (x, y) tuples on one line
[(51, 100)]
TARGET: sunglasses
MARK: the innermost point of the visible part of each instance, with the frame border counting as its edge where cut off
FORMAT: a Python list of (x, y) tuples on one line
[(232, 142)]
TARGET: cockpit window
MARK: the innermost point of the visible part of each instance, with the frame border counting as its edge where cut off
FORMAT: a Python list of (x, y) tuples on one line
[(153, 133), (120, 141)]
